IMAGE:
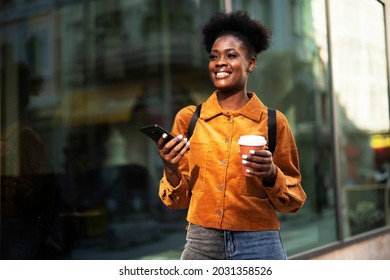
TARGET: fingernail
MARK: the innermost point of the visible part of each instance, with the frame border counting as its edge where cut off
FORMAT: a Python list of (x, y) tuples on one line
[(247, 171), (244, 161), (244, 156), (188, 143), (165, 135), (180, 136), (251, 152)]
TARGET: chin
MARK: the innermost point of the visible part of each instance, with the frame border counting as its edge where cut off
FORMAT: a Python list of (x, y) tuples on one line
[(221, 86)]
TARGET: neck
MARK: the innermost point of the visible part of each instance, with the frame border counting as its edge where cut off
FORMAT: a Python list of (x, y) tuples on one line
[(232, 102)]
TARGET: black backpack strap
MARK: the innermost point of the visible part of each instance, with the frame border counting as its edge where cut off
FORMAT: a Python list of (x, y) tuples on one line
[(193, 121), (271, 129)]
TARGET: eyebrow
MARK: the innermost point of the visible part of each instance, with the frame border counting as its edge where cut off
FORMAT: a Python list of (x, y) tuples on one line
[(226, 50)]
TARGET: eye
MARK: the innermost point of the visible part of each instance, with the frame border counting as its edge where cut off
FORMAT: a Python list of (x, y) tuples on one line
[(213, 57), (231, 55)]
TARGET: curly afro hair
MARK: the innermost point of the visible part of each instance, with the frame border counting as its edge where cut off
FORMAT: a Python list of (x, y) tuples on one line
[(252, 33)]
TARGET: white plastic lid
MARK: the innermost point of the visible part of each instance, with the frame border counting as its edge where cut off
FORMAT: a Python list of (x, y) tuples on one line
[(252, 140)]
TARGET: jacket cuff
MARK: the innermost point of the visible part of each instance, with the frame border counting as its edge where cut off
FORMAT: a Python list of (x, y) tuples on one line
[(170, 189)]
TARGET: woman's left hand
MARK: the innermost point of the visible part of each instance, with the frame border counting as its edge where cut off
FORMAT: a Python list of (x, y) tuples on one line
[(260, 163)]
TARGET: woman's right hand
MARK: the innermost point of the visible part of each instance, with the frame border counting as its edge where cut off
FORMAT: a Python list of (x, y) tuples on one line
[(171, 153)]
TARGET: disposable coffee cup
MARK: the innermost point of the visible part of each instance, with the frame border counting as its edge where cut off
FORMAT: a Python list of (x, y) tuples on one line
[(247, 143)]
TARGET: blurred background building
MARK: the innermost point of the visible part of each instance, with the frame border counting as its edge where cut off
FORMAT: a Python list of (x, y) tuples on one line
[(79, 78)]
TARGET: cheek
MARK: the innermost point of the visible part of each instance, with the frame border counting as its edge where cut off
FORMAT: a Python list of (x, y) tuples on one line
[(210, 67), (211, 71)]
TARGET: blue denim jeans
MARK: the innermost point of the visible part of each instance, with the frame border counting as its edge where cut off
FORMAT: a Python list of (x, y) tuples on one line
[(212, 244)]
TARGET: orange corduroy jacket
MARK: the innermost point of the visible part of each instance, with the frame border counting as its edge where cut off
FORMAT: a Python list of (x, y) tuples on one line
[(212, 187)]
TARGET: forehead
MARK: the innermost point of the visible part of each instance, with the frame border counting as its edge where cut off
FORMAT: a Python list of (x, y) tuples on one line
[(228, 41)]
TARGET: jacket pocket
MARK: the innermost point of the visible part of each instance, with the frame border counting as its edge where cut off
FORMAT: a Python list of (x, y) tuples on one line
[(251, 186), (198, 161)]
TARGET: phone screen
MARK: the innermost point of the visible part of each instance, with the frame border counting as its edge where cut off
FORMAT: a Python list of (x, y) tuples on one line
[(155, 132)]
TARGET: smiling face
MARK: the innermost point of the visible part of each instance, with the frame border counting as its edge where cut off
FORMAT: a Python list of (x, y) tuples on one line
[(229, 64)]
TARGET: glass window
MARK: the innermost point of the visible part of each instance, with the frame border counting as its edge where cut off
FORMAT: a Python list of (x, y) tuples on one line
[(361, 88), (78, 80)]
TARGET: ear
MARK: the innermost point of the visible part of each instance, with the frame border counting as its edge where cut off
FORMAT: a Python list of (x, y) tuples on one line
[(252, 64)]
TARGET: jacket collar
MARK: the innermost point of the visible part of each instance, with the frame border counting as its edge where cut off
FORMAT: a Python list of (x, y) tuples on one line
[(252, 110)]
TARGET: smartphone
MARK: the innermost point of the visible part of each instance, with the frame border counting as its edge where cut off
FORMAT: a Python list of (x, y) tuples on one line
[(155, 132)]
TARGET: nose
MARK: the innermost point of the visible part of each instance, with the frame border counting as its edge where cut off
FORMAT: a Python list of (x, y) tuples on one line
[(221, 61)]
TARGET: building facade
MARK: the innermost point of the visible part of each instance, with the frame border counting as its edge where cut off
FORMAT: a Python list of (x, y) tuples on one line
[(79, 78)]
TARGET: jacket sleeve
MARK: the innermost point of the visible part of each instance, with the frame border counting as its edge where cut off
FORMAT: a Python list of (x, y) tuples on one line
[(287, 194), (178, 197)]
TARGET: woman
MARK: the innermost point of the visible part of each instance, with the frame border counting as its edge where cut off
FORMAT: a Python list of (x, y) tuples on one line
[(230, 215)]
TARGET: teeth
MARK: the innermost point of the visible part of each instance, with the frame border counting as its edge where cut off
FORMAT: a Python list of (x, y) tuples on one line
[(222, 74)]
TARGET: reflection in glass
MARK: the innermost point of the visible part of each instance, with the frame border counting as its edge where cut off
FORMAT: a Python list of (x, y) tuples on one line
[(105, 69), (361, 87)]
